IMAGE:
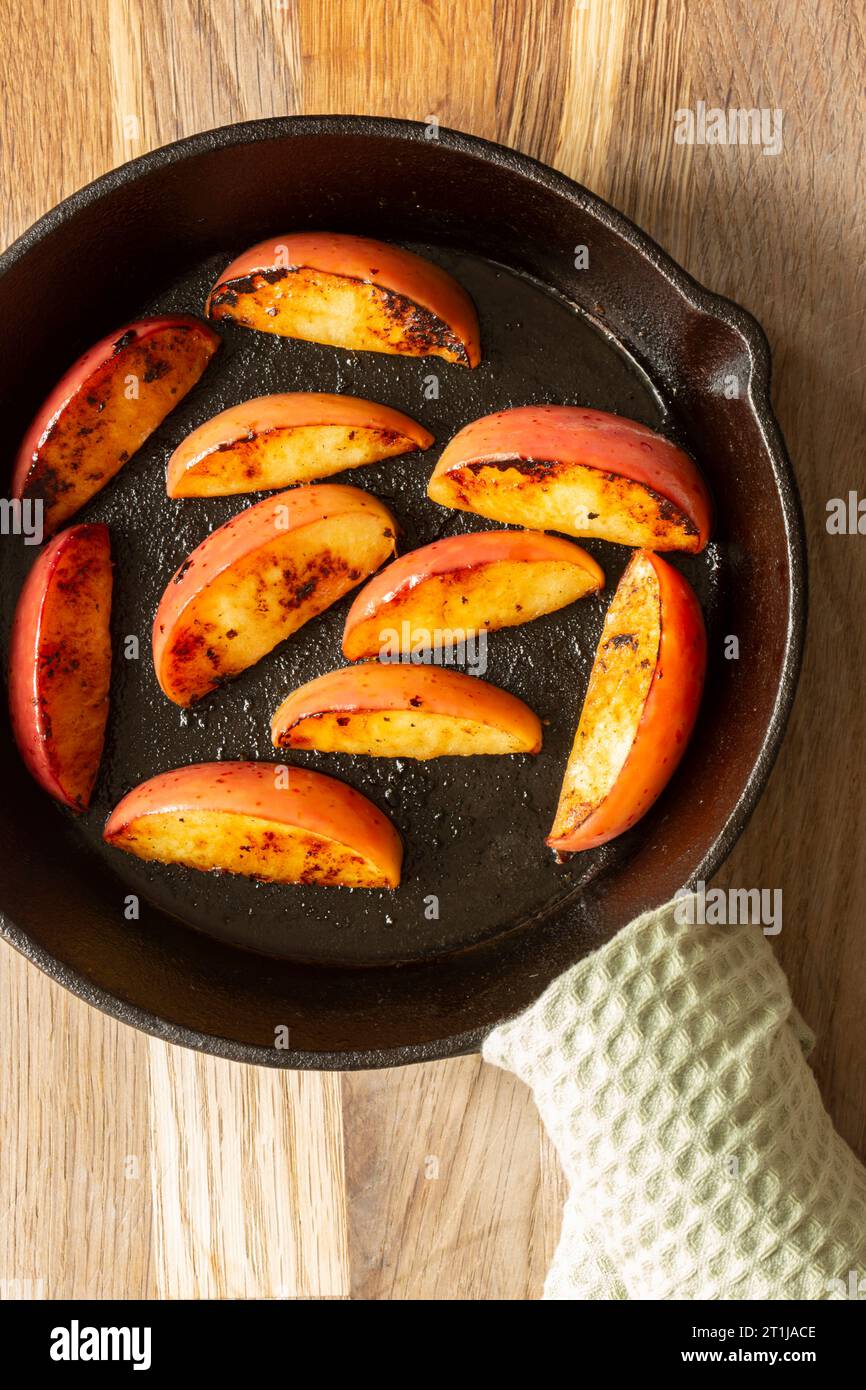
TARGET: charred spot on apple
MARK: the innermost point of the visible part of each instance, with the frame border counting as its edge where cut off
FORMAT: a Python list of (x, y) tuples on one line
[(529, 467), (423, 332), (229, 291), (155, 369)]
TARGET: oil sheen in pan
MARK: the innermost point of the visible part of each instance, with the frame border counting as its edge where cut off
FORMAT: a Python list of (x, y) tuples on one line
[(476, 864)]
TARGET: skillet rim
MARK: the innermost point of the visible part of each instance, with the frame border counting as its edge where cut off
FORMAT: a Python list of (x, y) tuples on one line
[(757, 397)]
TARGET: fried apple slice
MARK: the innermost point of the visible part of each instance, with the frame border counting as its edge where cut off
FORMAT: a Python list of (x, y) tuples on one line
[(275, 441), (105, 407), (640, 707), (351, 292), (277, 824), (437, 596), (60, 663), (583, 472), (396, 711), (259, 578)]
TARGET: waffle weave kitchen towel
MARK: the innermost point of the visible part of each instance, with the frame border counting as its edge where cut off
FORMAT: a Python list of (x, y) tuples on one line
[(670, 1070)]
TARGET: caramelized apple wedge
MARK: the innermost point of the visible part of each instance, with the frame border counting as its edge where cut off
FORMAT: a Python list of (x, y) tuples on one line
[(105, 407), (260, 577), (277, 824), (351, 292), (60, 663), (466, 584), (275, 441), (641, 704), (580, 471), (396, 711)]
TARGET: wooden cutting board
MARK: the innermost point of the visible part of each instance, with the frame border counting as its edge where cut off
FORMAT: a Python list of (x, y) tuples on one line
[(130, 1168)]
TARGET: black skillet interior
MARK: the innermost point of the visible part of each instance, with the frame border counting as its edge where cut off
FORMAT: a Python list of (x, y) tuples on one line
[(484, 917)]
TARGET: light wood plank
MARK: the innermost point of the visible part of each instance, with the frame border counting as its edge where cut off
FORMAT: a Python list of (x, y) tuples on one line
[(187, 66), (246, 1180), (413, 60), (75, 1146), (532, 44), (450, 1194)]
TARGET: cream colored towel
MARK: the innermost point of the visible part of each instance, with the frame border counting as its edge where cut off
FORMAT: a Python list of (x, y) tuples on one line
[(669, 1069)]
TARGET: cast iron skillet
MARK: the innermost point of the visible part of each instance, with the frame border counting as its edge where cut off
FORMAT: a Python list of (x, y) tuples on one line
[(485, 919)]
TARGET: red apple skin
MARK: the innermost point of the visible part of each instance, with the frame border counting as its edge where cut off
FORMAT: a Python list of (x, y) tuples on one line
[(60, 663), (311, 801), (379, 263), (667, 721), (72, 448), (610, 444), (251, 424), (385, 594)]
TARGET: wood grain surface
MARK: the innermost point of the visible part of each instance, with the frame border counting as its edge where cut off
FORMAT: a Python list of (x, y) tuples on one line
[(132, 1169)]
